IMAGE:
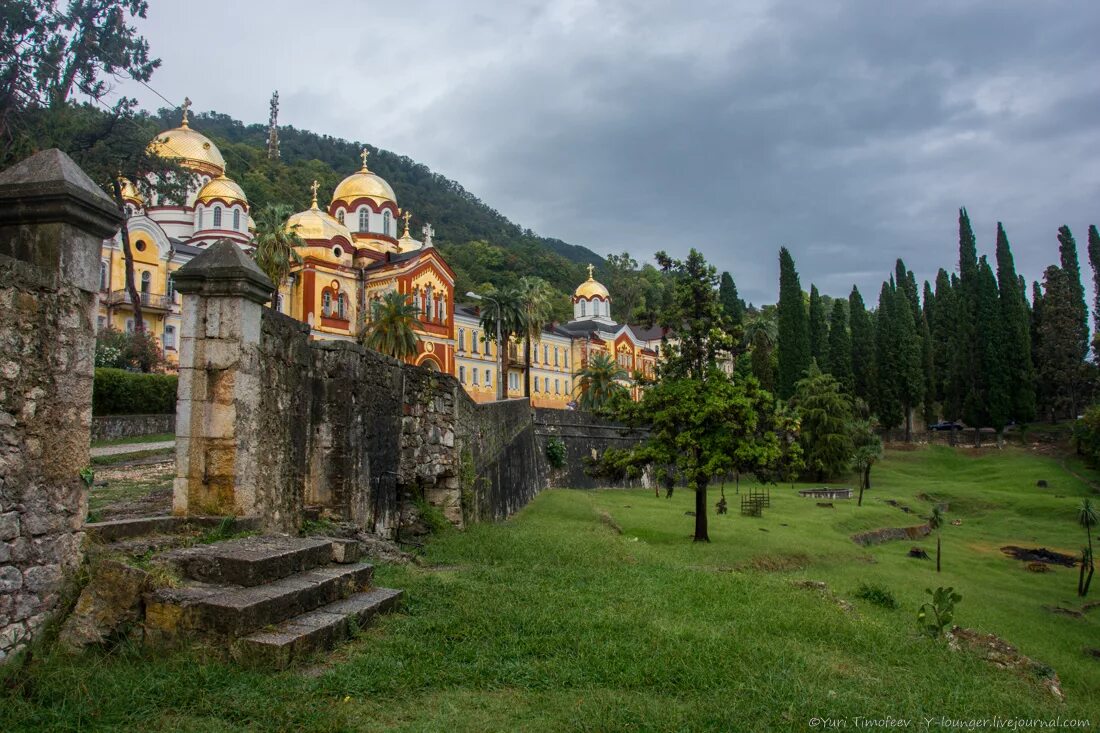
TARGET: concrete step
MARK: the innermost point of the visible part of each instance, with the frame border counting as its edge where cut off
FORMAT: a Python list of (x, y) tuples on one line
[(251, 561), (226, 611), (323, 628)]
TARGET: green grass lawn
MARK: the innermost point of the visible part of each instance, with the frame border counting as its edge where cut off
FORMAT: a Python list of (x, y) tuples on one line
[(154, 438), (556, 621)]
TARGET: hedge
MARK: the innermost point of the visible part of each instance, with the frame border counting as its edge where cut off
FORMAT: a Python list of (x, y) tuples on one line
[(119, 392)]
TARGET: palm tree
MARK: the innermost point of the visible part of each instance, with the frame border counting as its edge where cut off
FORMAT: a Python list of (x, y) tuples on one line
[(276, 244), (598, 382), (535, 294), (935, 522), (1087, 518), (390, 329), (502, 315)]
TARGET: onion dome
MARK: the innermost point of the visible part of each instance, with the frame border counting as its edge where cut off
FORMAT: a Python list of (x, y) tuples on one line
[(313, 223), (251, 224), (130, 192), (591, 288), (191, 149), (363, 183), (222, 188)]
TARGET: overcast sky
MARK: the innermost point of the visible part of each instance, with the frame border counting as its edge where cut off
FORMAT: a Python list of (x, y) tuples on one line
[(849, 131)]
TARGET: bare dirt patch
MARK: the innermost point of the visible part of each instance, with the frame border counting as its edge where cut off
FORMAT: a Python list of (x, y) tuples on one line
[(1039, 554)]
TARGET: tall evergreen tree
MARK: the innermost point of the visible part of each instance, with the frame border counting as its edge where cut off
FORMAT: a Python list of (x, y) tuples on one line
[(928, 366), (1061, 352), (888, 402), (1016, 333), (1094, 261), (840, 347), (794, 332), (1042, 391), (1077, 314), (864, 367), (963, 366), (819, 330), (942, 325), (987, 404), (732, 304)]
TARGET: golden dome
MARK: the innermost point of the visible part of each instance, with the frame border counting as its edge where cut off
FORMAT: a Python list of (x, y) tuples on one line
[(222, 188), (251, 223), (363, 183), (591, 288), (316, 224), (130, 192), (192, 149)]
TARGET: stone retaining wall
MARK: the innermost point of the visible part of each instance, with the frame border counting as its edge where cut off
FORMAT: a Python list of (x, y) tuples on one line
[(586, 438), (110, 427)]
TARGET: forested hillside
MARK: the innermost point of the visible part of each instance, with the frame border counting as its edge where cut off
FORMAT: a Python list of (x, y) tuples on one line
[(479, 243)]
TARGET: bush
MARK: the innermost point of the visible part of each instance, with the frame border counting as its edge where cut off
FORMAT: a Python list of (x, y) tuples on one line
[(877, 595), (1086, 435), (120, 350), (119, 392), (555, 452)]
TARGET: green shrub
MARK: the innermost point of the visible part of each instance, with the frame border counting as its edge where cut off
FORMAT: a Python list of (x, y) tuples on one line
[(877, 595), (123, 350), (934, 617), (555, 452), (1086, 435), (119, 392)]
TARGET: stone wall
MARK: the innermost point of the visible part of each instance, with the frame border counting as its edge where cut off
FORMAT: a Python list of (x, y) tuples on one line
[(52, 220), (586, 438), (110, 427), (271, 422)]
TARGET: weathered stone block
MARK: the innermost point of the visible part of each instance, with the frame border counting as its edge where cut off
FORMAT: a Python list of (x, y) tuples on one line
[(42, 578), (9, 526), (11, 579)]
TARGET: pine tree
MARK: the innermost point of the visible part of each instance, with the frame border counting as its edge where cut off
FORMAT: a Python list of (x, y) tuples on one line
[(1016, 332), (825, 412), (840, 347), (819, 330), (732, 304), (794, 331), (864, 367), (1094, 261)]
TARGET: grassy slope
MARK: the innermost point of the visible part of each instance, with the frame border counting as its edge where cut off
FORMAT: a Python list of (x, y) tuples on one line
[(555, 621)]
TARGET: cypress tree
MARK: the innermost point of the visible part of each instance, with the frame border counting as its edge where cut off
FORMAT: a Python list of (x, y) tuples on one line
[(1076, 312), (987, 403), (1061, 354), (840, 347), (1094, 261), (908, 347), (888, 402), (942, 326), (1016, 332), (928, 366), (794, 331), (864, 368), (1042, 391), (732, 305), (819, 330), (962, 350)]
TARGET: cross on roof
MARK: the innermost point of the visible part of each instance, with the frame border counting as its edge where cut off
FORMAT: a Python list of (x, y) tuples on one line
[(364, 155), (408, 215), (590, 269), (186, 107), (313, 190)]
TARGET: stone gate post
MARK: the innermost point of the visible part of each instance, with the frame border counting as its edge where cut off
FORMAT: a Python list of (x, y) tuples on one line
[(219, 385), (53, 220)]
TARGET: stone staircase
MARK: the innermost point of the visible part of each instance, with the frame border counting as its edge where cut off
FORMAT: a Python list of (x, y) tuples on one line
[(268, 600)]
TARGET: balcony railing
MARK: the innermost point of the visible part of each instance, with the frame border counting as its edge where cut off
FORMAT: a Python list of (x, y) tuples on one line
[(151, 301)]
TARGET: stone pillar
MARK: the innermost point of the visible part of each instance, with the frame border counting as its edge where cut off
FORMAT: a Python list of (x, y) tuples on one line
[(217, 438), (53, 220)]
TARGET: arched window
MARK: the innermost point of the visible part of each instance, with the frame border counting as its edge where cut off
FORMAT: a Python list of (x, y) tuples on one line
[(429, 303), (386, 223), (342, 305), (217, 216), (340, 216), (462, 339), (364, 220), (584, 309), (103, 281), (326, 303), (237, 219)]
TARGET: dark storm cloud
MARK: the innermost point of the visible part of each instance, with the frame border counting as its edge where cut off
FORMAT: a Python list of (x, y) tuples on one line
[(849, 131)]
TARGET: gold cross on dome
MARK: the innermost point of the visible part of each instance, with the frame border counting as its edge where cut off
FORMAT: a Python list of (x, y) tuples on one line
[(186, 107), (590, 269), (313, 190), (364, 155), (408, 215)]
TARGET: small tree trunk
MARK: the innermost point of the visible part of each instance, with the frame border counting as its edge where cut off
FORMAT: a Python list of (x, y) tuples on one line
[(867, 477), (128, 257), (701, 511), (1081, 577), (908, 424), (1088, 580), (859, 502), (937, 552)]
